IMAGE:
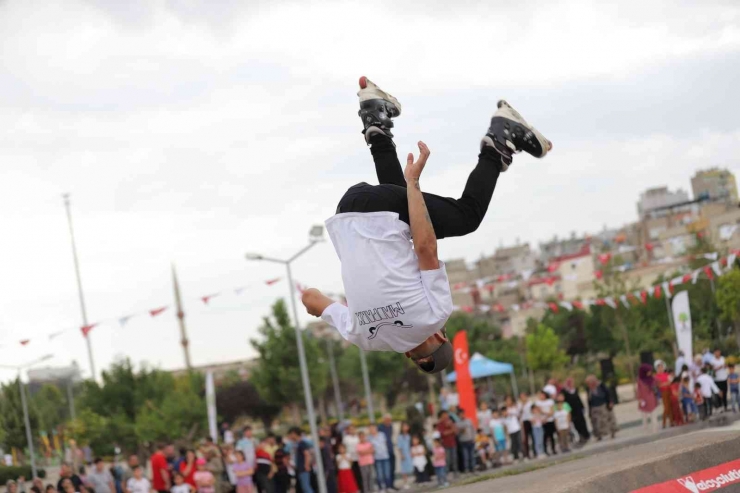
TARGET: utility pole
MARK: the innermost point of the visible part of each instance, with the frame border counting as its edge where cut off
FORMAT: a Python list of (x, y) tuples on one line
[(181, 319), (79, 285)]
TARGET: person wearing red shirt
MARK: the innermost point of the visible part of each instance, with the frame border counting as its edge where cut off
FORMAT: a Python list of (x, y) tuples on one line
[(448, 437), (161, 481), (188, 467)]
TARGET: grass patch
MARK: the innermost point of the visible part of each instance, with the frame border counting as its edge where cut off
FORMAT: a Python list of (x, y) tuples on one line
[(523, 470)]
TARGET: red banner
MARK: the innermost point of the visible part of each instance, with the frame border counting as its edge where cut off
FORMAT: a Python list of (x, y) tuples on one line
[(465, 389), (714, 478)]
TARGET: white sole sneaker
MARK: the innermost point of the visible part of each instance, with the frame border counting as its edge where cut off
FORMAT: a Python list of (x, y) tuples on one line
[(505, 110), (369, 90)]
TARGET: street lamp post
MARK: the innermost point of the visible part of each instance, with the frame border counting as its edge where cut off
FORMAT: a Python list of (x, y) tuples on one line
[(335, 380), (316, 236), (26, 418)]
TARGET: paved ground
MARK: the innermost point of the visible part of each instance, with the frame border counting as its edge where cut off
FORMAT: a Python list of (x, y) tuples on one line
[(623, 467)]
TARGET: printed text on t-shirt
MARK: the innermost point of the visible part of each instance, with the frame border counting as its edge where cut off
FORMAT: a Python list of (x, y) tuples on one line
[(380, 313)]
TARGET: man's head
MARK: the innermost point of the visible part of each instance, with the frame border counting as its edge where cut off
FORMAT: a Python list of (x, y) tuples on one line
[(294, 434), (443, 415), (434, 354), (65, 470), (717, 353), (373, 430), (169, 450), (248, 432), (592, 382), (387, 419), (133, 460), (99, 465)]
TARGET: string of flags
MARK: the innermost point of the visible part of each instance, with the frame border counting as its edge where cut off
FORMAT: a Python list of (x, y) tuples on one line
[(666, 288), (122, 320)]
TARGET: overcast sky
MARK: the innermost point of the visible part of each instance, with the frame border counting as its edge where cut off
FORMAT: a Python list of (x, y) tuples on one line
[(193, 132)]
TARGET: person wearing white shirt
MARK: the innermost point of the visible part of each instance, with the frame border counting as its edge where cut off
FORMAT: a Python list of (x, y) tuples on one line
[(708, 387), (398, 293), (680, 362), (484, 418), (528, 445), (350, 441), (720, 375), (546, 405)]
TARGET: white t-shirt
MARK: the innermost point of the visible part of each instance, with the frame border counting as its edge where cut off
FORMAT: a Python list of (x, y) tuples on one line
[(512, 420), (393, 306), (350, 444), (497, 429), (545, 406), (720, 369), (527, 410), (550, 390), (561, 420), (419, 461), (484, 418), (138, 485), (180, 488)]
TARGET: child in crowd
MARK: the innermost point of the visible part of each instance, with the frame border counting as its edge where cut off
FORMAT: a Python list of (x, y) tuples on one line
[(439, 461), (204, 480), (483, 446), (243, 471), (537, 432), (699, 401), (687, 400), (366, 459), (562, 423), (180, 485), (419, 460), (733, 381), (513, 427), (676, 399), (345, 476), (138, 483), (499, 436)]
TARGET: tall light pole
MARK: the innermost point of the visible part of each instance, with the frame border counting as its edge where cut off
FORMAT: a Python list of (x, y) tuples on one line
[(26, 419), (368, 391), (315, 236), (79, 284), (335, 379)]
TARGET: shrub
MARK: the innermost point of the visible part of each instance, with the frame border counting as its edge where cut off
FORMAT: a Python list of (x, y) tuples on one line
[(15, 472)]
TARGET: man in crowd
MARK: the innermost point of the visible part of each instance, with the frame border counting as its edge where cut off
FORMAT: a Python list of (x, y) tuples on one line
[(466, 436), (446, 429), (708, 388), (720, 375), (386, 427), (66, 472), (601, 408), (161, 480), (247, 444), (100, 478), (303, 459)]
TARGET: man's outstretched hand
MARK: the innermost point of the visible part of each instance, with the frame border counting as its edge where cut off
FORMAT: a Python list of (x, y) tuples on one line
[(413, 169)]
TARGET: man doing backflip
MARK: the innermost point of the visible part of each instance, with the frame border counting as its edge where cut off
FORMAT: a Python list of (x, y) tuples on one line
[(398, 294)]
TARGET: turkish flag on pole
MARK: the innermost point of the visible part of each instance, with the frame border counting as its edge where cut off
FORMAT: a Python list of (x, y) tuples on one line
[(465, 389)]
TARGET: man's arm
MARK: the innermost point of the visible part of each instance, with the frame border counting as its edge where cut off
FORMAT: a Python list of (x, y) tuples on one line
[(315, 302), (422, 231)]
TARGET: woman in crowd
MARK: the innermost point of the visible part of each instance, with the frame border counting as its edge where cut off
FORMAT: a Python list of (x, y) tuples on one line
[(570, 392), (188, 467), (243, 471), (600, 407), (547, 410), (664, 386), (646, 401), (404, 451)]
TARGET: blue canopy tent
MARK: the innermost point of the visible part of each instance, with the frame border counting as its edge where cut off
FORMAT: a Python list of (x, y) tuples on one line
[(482, 367)]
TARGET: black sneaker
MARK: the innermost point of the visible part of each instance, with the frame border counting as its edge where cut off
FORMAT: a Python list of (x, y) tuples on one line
[(510, 133), (377, 108)]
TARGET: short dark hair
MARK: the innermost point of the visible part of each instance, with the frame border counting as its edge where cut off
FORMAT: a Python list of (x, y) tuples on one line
[(137, 466), (97, 460), (697, 385), (248, 428), (295, 431)]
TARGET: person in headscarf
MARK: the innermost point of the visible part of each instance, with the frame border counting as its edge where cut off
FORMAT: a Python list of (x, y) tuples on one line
[(600, 409), (576, 410), (664, 385), (646, 401)]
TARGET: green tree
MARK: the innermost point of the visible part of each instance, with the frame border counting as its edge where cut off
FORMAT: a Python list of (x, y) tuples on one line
[(11, 416), (728, 300), (242, 398), (51, 406), (277, 376), (543, 350)]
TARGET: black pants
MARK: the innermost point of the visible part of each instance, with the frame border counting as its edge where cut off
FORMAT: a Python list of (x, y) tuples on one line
[(549, 430), (722, 386), (450, 217), (516, 444), (358, 474), (579, 421), (528, 441), (264, 483)]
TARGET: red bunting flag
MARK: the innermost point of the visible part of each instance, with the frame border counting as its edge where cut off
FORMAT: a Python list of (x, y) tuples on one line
[(708, 272), (577, 304), (643, 297), (467, 309), (489, 288), (550, 281), (657, 292), (25, 341), (723, 262), (600, 302), (599, 274), (604, 258), (157, 311), (553, 307), (686, 278), (498, 307), (553, 267), (270, 282), (87, 328), (207, 298), (649, 247)]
